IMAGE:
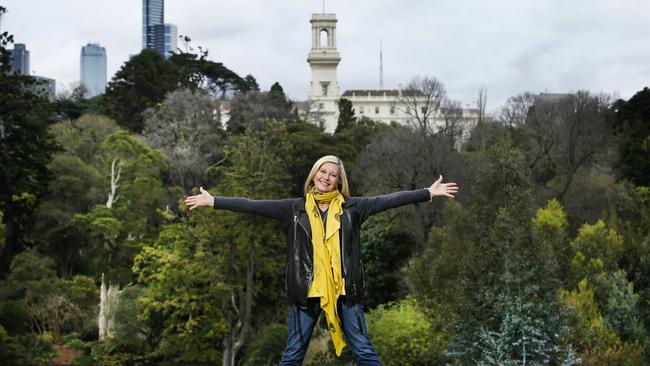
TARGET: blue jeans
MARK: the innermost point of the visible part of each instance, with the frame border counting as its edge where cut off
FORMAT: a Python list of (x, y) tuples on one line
[(301, 324)]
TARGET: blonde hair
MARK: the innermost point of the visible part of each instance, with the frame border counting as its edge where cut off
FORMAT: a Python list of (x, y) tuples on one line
[(343, 178)]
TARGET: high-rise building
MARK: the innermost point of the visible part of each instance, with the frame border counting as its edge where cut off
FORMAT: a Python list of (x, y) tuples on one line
[(20, 59), (153, 25), (171, 39), (93, 69)]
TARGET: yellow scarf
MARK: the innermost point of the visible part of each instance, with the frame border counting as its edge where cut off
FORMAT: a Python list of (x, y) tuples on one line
[(328, 283)]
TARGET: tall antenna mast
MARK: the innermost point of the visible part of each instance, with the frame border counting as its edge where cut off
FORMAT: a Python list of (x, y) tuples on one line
[(381, 67)]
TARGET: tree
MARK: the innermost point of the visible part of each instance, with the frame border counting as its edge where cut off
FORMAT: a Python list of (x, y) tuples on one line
[(596, 342), (488, 269), (255, 171), (134, 198), (400, 158), (9, 349), (187, 128), (455, 127), (141, 83), (633, 128), (266, 348), (246, 110), (346, 115), (76, 186), (33, 283), (197, 72), (212, 278), (249, 84), (25, 150), (421, 101), (386, 246), (549, 226), (515, 113), (185, 287), (566, 135), (481, 104)]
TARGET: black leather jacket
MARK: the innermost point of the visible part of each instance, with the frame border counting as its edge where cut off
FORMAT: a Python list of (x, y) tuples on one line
[(300, 256)]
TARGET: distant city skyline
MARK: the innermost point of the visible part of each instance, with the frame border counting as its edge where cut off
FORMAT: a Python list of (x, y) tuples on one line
[(20, 59), (93, 69), (506, 46), (153, 20)]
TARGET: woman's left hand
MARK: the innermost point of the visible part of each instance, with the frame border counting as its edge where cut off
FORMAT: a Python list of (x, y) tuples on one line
[(443, 189)]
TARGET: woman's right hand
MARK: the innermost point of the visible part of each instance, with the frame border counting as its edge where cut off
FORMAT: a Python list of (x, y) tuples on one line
[(202, 199)]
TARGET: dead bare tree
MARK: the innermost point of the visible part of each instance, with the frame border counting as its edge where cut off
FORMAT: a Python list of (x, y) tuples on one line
[(454, 127), (421, 101), (115, 179), (567, 133), (513, 114)]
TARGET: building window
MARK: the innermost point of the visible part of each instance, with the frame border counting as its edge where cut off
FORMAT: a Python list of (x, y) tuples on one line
[(424, 110), (321, 105), (392, 109), (324, 38), (376, 110), (324, 87), (361, 110)]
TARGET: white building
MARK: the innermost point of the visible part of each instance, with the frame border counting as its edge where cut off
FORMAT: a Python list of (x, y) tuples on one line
[(380, 105), (93, 69)]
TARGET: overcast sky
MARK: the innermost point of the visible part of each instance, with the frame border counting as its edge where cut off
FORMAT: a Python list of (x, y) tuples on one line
[(508, 46)]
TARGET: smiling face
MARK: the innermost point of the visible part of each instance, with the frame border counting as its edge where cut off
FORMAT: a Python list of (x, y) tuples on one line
[(326, 178)]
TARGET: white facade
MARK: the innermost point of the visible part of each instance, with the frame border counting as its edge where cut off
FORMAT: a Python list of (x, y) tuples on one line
[(379, 105), (387, 106), (323, 60), (93, 69)]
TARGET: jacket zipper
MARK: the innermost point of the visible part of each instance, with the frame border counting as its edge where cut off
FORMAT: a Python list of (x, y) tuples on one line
[(295, 243), (303, 228), (295, 219), (354, 284)]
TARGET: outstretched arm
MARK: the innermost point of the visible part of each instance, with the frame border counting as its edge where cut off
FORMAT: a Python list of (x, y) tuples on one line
[(372, 205), (276, 209)]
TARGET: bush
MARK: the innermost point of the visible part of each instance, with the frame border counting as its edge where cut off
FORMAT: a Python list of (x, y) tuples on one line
[(266, 348), (36, 348), (403, 335)]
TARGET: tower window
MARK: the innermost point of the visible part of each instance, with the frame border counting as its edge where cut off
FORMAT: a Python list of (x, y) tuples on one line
[(376, 110), (392, 110), (361, 109), (324, 86), (324, 38), (321, 105)]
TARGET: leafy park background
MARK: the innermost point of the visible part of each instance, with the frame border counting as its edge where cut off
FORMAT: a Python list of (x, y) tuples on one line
[(543, 258)]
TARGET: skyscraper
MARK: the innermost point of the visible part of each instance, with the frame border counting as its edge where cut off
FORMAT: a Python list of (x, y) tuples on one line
[(153, 25), (93, 69), (20, 59), (171, 39)]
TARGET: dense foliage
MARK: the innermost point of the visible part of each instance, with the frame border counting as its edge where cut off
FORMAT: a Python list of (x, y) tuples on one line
[(543, 258)]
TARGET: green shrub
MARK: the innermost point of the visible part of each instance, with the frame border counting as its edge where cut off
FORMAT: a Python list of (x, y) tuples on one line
[(403, 335)]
